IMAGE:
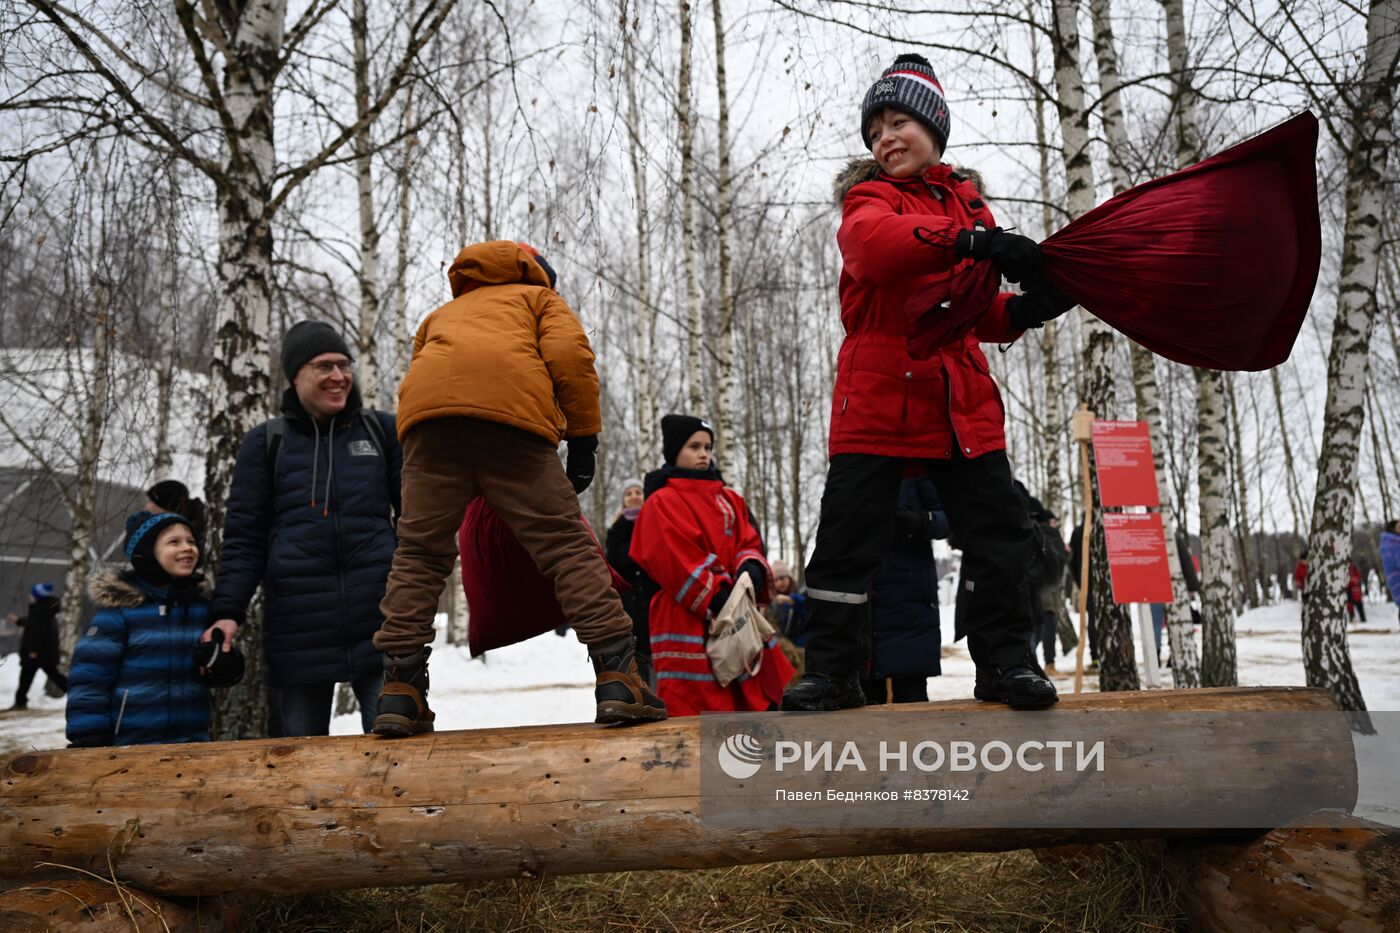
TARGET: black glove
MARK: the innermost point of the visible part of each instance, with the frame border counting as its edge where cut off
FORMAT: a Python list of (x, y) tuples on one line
[(721, 597), (911, 525), (759, 577), (218, 668), (1043, 303), (1017, 257), (581, 464)]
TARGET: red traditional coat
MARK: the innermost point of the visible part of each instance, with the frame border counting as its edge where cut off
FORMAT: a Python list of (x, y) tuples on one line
[(691, 537)]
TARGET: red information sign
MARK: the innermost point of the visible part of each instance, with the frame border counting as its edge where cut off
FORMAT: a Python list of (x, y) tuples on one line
[(1137, 557), (1123, 462)]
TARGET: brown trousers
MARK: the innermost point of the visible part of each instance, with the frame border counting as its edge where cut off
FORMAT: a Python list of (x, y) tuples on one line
[(448, 462)]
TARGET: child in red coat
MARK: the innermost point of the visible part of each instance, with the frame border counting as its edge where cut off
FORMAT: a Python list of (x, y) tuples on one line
[(694, 537), (910, 224)]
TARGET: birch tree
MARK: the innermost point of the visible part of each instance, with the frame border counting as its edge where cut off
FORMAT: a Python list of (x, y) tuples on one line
[(1371, 111), (1117, 665), (724, 414), (1180, 628), (694, 358)]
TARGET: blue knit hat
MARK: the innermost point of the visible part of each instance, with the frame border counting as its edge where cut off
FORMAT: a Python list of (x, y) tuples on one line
[(41, 590), (142, 530)]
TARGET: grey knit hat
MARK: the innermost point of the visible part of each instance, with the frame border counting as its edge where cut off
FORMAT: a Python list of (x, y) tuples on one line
[(910, 86)]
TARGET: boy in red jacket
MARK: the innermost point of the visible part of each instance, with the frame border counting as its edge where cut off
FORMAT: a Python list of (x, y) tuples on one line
[(908, 221)]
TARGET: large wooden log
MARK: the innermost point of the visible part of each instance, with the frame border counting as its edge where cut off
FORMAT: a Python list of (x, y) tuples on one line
[(315, 814)]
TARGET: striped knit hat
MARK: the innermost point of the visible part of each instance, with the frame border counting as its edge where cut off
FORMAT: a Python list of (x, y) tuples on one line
[(910, 86)]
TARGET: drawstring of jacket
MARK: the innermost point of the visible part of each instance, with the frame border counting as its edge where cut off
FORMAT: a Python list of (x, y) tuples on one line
[(315, 459), (330, 468), (330, 471)]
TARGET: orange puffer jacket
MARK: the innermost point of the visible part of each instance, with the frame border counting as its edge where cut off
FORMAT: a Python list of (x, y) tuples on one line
[(506, 348)]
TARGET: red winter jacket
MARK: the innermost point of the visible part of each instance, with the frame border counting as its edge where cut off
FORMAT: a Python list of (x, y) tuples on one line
[(886, 402)]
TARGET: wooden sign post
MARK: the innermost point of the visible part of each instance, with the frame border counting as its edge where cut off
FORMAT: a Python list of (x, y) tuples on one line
[(1083, 426)]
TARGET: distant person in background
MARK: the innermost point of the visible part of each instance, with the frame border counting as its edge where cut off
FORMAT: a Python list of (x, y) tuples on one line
[(1356, 604), (171, 495), (905, 635), (1390, 558), (788, 610), (1300, 572), (38, 646), (638, 597)]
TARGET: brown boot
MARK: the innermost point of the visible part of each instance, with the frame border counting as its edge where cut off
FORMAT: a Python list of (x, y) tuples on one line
[(621, 693), (403, 700)]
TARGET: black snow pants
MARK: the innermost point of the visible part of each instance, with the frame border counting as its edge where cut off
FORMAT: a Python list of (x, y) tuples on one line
[(989, 524)]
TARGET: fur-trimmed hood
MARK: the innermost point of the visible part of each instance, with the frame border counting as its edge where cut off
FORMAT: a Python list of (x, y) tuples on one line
[(118, 589), (863, 168)]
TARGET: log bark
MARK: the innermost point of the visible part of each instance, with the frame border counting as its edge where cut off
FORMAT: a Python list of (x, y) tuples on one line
[(352, 811), (92, 906), (1343, 878)]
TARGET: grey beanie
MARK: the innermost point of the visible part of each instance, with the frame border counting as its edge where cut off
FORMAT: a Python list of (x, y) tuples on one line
[(307, 340), (910, 86)]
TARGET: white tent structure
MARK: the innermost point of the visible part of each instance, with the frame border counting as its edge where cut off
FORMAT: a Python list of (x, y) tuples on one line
[(46, 396)]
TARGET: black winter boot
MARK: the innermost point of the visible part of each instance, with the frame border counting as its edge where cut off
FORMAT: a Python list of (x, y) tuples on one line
[(1021, 686), (403, 700), (622, 693), (816, 692)]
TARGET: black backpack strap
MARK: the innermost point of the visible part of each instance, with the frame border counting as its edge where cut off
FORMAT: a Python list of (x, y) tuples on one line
[(376, 433), (375, 429), (276, 427)]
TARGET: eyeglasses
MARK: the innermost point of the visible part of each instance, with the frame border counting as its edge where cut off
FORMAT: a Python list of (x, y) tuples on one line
[(322, 370)]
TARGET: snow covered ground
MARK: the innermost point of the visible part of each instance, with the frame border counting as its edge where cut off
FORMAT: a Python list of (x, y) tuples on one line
[(549, 680)]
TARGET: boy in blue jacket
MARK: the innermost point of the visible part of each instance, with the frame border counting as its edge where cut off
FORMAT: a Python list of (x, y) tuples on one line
[(135, 679)]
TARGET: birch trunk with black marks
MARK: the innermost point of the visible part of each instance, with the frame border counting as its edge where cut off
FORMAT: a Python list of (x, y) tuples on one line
[(1246, 539), (1052, 427), (1117, 664), (83, 500), (724, 354), (648, 447), (240, 382), (165, 334), (694, 361), (1179, 624), (1217, 552), (1218, 665), (1295, 494), (1326, 655), (365, 338), (402, 346)]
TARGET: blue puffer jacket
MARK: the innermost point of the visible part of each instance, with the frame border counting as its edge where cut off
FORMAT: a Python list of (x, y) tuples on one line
[(1390, 562), (133, 680), (904, 623), (320, 539)]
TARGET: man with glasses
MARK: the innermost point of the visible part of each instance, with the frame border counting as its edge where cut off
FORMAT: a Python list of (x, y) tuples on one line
[(311, 516)]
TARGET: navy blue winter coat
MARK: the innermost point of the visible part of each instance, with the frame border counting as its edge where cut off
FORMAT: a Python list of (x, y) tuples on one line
[(133, 680), (904, 626), (319, 538)]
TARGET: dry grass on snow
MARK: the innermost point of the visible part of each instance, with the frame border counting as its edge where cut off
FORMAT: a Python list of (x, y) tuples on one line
[(1119, 889)]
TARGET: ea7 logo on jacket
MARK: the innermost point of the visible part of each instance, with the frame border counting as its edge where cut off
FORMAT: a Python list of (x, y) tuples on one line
[(363, 449)]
